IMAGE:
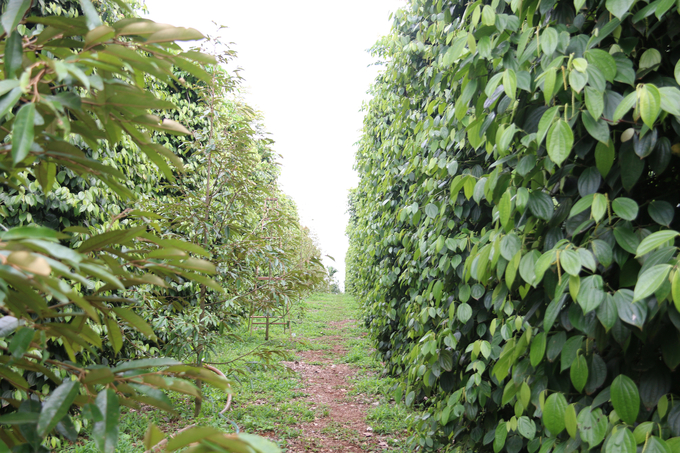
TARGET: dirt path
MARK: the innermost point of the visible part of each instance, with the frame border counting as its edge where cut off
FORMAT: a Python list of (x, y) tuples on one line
[(343, 428)]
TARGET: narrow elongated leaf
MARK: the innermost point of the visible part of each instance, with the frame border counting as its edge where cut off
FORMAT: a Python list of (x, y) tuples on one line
[(579, 373), (23, 133), (105, 432), (649, 103), (15, 11), (654, 241), (651, 280), (57, 406)]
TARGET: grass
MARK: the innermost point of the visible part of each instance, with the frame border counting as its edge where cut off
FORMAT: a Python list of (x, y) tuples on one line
[(271, 398)]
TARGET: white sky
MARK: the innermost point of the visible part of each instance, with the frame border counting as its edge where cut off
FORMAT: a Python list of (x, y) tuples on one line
[(307, 70)]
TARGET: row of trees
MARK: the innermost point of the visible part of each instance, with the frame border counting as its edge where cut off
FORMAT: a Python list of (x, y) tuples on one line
[(135, 184), (513, 235)]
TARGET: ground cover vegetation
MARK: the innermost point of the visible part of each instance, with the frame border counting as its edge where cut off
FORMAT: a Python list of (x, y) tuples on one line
[(135, 184), (513, 235), (279, 402)]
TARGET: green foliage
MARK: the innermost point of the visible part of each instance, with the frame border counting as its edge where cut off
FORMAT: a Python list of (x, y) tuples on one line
[(513, 233), (89, 252)]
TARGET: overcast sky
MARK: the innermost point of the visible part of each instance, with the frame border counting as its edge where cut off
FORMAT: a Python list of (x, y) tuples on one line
[(307, 70)]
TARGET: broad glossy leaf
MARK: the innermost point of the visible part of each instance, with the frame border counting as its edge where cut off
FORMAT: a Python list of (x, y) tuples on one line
[(651, 280), (625, 398), (670, 100), (553, 413), (598, 129), (621, 441), (624, 106), (594, 102), (628, 311), (607, 312), (510, 245), (570, 261), (591, 293), (661, 212), (527, 266), (627, 239), (526, 427), (560, 141), (649, 103), (579, 373), (625, 208), (569, 351), (618, 8), (655, 240), (549, 40), (592, 426)]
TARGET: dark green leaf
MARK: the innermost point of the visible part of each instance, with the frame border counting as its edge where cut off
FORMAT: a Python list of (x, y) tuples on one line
[(661, 212), (57, 406), (21, 341), (541, 205), (105, 432)]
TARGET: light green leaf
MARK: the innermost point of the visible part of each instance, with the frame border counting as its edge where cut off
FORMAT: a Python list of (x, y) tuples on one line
[(553, 413), (624, 106), (654, 241), (621, 441), (649, 102), (594, 102), (549, 41), (625, 208), (651, 280), (619, 8), (670, 100), (570, 261), (592, 426), (510, 83), (579, 373), (560, 141)]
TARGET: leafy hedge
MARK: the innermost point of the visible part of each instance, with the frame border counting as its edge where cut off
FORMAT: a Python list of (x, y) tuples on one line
[(127, 239), (513, 233)]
